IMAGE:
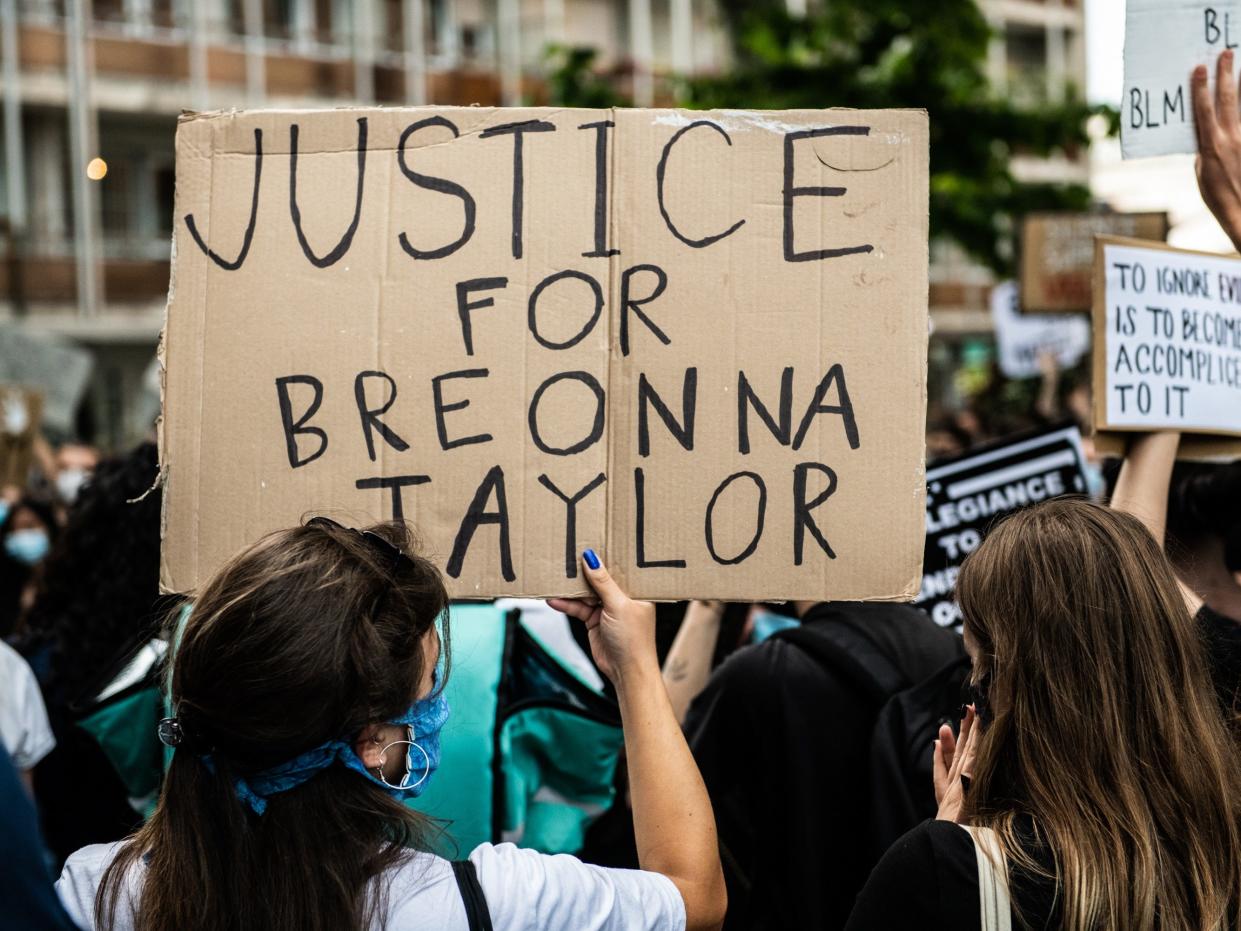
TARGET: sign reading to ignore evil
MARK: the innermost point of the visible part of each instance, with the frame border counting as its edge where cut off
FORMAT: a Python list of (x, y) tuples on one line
[(695, 341), (1167, 351)]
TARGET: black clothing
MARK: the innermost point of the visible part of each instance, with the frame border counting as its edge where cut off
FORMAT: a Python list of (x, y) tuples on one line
[(782, 738), (1222, 636), (80, 796), (901, 754), (29, 899), (929, 881), (929, 878)]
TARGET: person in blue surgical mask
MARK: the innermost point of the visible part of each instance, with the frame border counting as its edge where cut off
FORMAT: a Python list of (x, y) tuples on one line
[(306, 698), (27, 532)]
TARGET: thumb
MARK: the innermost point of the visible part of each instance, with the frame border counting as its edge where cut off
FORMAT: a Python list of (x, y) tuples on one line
[(599, 579)]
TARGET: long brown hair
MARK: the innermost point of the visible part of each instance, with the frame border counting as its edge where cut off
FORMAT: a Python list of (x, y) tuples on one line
[(307, 636), (1104, 725)]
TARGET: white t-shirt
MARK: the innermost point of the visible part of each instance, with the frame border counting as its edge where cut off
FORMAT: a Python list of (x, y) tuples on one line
[(24, 730), (525, 890)]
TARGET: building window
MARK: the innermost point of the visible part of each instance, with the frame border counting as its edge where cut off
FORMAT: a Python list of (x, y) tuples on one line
[(1025, 53)]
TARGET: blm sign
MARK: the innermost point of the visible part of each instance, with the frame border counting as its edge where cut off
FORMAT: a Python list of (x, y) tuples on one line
[(967, 494), (695, 341)]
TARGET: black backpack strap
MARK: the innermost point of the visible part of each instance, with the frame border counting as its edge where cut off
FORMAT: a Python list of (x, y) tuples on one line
[(851, 653), (476, 911)]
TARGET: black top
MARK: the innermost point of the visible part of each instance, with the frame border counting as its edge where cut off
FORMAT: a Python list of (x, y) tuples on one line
[(30, 901), (929, 880), (782, 742), (1222, 636)]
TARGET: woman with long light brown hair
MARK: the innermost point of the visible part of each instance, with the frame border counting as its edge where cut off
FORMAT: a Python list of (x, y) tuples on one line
[(1097, 782)]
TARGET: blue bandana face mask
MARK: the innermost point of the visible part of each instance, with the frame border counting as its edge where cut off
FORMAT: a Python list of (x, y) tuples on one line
[(423, 722)]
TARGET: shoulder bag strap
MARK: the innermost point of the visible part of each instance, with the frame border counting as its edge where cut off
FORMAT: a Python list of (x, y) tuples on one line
[(476, 911), (994, 905)]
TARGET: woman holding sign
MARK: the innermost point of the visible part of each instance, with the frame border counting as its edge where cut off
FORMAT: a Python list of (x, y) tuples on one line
[(307, 687), (1094, 784)]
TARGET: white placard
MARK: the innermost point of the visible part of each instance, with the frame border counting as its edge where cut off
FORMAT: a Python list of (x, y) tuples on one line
[(1164, 41), (1173, 340), (1021, 338)]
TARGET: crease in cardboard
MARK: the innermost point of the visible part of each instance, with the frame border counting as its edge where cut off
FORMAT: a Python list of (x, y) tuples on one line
[(746, 277)]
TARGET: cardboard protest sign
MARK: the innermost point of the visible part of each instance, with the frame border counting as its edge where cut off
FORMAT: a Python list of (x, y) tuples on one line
[(968, 493), (21, 413), (1164, 41), (1022, 338), (1057, 255), (52, 367), (1167, 325), (695, 341)]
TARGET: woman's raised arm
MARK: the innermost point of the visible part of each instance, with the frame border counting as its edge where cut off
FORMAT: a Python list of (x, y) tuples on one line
[(673, 823)]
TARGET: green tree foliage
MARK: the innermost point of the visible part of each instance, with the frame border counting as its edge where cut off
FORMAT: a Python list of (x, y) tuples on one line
[(910, 53), (872, 54), (572, 81)]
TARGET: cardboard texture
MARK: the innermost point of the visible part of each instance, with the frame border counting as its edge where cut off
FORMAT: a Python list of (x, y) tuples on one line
[(1057, 255), (1164, 41), (968, 494), (21, 413), (502, 311), (1167, 344), (1194, 446)]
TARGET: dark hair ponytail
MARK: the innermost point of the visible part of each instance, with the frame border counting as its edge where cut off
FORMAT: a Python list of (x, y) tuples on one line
[(306, 637)]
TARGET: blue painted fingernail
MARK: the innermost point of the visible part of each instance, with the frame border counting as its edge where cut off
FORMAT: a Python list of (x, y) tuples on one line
[(591, 559)]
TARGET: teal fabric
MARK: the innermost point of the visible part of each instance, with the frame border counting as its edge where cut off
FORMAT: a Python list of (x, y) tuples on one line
[(125, 731), (462, 791), (559, 767)]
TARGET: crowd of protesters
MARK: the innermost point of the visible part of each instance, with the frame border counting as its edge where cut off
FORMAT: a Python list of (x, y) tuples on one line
[(1071, 759)]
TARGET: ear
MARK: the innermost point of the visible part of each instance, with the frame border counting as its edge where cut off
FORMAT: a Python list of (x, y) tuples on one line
[(369, 746)]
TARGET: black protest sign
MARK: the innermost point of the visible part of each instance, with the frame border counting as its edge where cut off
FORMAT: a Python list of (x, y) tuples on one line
[(967, 494)]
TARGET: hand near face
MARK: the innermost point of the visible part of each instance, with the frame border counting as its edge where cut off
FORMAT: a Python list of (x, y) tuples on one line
[(953, 765)]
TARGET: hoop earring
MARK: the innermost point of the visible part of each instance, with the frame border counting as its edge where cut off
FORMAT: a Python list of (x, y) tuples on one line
[(404, 786)]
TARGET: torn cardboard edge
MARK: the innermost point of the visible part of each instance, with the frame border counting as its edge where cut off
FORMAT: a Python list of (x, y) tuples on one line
[(168, 350)]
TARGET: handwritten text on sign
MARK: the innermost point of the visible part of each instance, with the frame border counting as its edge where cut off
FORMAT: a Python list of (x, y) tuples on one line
[(968, 494), (1173, 340), (1164, 40), (532, 331)]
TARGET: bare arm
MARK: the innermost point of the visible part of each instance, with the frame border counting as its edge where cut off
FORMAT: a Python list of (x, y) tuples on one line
[(1045, 404), (688, 664), (673, 823), (1142, 489)]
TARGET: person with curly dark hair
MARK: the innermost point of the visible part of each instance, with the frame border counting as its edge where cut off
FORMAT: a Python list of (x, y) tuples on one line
[(98, 597)]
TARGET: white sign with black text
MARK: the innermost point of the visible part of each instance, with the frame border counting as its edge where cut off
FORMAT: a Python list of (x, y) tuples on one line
[(1164, 41), (1171, 325), (1022, 338)]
